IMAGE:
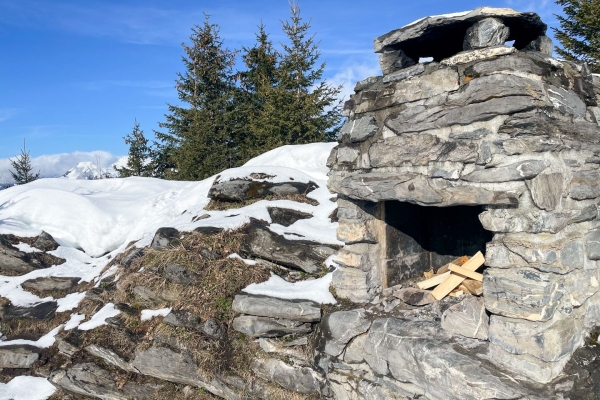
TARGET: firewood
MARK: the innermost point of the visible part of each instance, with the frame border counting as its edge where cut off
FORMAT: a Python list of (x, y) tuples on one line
[(459, 261), (476, 288), (454, 280), (465, 272)]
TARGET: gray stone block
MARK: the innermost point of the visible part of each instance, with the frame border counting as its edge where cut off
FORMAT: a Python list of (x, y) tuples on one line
[(467, 318), (486, 33), (262, 306), (358, 130), (264, 327), (341, 326)]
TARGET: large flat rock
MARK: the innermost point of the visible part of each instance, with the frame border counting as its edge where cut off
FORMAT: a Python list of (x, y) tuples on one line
[(262, 306)]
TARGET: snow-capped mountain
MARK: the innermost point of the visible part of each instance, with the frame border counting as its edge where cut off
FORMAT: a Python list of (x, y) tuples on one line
[(89, 170)]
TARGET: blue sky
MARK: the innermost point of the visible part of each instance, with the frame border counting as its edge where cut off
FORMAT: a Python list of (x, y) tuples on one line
[(75, 74)]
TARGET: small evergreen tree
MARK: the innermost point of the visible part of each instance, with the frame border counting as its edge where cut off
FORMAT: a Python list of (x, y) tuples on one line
[(579, 32), (200, 138), (139, 154), (22, 168)]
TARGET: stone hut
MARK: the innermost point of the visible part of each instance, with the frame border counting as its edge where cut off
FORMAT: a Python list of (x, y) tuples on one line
[(485, 145)]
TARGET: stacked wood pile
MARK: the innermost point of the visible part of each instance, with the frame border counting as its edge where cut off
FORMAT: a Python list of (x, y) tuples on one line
[(456, 278)]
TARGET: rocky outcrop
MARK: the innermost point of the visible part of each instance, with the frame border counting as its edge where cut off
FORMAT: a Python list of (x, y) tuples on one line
[(237, 190), (307, 256)]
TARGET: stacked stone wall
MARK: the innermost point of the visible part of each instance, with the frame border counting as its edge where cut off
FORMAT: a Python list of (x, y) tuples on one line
[(511, 129)]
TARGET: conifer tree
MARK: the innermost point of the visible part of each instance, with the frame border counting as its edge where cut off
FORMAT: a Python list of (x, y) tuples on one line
[(309, 108), (22, 168), (579, 32), (139, 154), (258, 83), (200, 138)]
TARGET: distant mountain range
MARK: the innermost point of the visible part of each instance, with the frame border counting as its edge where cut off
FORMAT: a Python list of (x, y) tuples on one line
[(89, 170)]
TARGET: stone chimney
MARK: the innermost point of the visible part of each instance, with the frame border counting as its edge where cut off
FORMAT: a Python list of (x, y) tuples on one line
[(487, 146)]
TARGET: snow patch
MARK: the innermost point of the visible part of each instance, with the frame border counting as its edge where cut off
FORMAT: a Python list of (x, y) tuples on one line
[(26, 388), (44, 342), (70, 301), (74, 321), (25, 248), (149, 314), (236, 256), (316, 290), (99, 319)]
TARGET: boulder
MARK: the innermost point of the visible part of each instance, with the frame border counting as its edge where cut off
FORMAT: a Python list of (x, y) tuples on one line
[(264, 327), (39, 311), (297, 379), (342, 326), (543, 44), (425, 355), (109, 357), (18, 356), (89, 379), (208, 230), (467, 318), (307, 256), (214, 329), (164, 363), (13, 262), (179, 274), (487, 32), (237, 190), (263, 306), (393, 60), (44, 284), (165, 237), (45, 242), (414, 296), (183, 319), (286, 216)]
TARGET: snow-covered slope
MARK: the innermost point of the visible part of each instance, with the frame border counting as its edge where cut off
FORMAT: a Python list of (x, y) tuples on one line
[(94, 220)]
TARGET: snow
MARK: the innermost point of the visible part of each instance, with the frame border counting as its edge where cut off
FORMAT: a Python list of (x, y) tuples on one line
[(74, 321), (70, 301), (45, 341), (238, 257), (450, 15), (316, 290), (149, 314), (26, 388), (25, 248), (95, 220), (99, 319)]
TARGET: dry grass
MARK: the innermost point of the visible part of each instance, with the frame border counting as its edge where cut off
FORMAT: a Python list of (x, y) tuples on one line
[(217, 205), (32, 329)]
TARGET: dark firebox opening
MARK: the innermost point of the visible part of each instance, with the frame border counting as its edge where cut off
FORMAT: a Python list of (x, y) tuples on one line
[(420, 238)]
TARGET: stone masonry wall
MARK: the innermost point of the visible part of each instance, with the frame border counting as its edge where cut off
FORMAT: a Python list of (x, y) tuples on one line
[(509, 128)]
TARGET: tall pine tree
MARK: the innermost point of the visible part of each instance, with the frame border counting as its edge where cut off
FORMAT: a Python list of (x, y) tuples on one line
[(138, 161), (201, 137), (579, 32), (23, 171), (310, 106)]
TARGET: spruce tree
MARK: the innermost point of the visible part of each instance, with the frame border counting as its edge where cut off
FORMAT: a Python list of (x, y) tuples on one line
[(258, 83), (139, 154), (579, 32), (22, 168), (200, 138), (309, 108)]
